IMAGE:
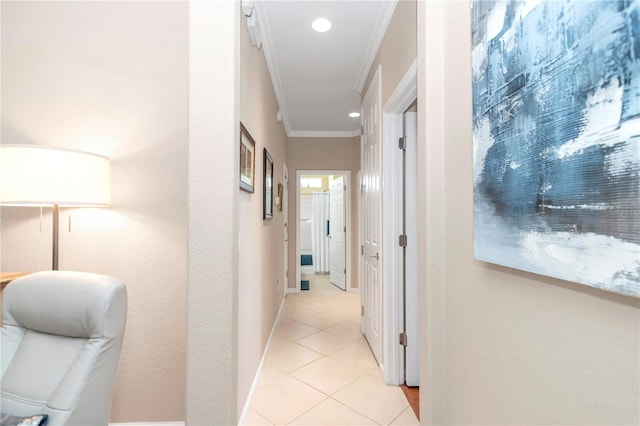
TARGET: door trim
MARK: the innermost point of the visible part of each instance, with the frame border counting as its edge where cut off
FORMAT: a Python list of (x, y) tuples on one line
[(347, 176), (337, 189), (285, 231), (402, 97), (360, 238)]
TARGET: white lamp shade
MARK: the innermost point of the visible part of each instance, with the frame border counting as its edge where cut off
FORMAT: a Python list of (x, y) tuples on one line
[(39, 176)]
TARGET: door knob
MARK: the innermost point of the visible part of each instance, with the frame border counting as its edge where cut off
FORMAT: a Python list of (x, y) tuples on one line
[(377, 256)]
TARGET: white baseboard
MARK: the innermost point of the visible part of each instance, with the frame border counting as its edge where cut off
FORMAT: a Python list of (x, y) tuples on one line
[(256, 379), (149, 424), (254, 385)]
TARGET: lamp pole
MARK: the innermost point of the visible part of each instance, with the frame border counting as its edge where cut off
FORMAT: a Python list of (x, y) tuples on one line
[(81, 180), (56, 228)]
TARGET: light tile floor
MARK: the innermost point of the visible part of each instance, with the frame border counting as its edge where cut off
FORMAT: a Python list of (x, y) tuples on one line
[(320, 370)]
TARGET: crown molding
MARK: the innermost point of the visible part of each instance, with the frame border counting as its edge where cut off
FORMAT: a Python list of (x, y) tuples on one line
[(406, 90), (272, 64), (382, 23), (323, 133)]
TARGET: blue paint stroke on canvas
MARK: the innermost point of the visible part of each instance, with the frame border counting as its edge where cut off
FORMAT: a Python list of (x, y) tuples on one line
[(556, 139)]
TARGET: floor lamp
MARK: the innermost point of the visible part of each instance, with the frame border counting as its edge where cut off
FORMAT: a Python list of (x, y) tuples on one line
[(33, 175)]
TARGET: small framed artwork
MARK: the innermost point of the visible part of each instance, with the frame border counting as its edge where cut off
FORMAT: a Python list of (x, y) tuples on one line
[(247, 160), (267, 197), (279, 197)]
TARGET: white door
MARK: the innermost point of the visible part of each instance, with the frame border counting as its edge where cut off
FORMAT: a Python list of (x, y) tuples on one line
[(411, 250), (371, 217), (337, 231), (285, 211)]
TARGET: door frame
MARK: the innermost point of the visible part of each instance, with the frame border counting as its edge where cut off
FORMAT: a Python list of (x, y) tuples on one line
[(402, 97), (338, 185), (360, 234), (285, 227), (347, 181)]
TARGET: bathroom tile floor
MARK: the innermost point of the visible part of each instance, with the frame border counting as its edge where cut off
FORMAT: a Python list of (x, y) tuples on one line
[(320, 370)]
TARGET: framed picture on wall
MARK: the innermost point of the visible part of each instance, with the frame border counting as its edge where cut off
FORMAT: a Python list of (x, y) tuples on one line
[(556, 164), (279, 197), (247, 160), (268, 187)]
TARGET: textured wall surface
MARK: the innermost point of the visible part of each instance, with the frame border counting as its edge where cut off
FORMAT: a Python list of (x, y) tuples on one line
[(213, 206), (111, 78), (261, 278), (503, 346)]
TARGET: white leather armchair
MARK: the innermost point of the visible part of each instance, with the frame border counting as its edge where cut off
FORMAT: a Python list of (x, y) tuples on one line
[(61, 339)]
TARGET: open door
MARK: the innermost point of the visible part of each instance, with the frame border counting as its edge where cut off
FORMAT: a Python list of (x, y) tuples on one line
[(371, 217), (329, 256), (337, 232)]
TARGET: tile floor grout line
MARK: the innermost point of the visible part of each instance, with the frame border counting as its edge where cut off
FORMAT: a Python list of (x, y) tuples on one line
[(351, 408), (319, 390), (311, 408), (328, 306)]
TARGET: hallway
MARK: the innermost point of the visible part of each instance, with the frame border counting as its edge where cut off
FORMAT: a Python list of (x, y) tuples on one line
[(320, 370)]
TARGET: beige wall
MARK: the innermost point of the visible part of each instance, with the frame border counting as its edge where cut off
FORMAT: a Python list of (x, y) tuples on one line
[(323, 154), (502, 346), (261, 262), (108, 77), (398, 49)]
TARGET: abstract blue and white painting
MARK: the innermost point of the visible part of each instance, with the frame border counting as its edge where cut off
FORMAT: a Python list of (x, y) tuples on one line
[(556, 138)]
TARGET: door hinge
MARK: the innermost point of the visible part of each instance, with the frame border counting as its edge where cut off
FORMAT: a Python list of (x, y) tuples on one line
[(402, 143), (361, 310), (403, 339), (362, 250), (345, 188), (345, 229), (361, 130), (402, 240), (345, 270)]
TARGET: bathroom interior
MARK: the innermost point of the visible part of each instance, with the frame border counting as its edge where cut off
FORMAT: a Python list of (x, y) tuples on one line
[(322, 228)]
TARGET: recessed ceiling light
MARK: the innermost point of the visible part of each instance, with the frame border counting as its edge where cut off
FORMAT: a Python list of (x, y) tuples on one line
[(321, 25), (354, 114)]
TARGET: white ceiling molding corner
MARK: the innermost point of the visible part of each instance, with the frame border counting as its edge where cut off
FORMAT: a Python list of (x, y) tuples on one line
[(247, 7), (272, 65), (382, 22), (406, 91), (253, 25), (323, 134)]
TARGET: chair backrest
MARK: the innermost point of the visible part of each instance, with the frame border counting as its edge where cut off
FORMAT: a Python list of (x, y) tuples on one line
[(61, 339)]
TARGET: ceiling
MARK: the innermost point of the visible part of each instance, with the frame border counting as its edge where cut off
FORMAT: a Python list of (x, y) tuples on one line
[(318, 77)]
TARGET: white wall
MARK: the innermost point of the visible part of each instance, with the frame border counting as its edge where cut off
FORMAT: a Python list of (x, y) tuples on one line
[(111, 78), (501, 346), (214, 45)]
